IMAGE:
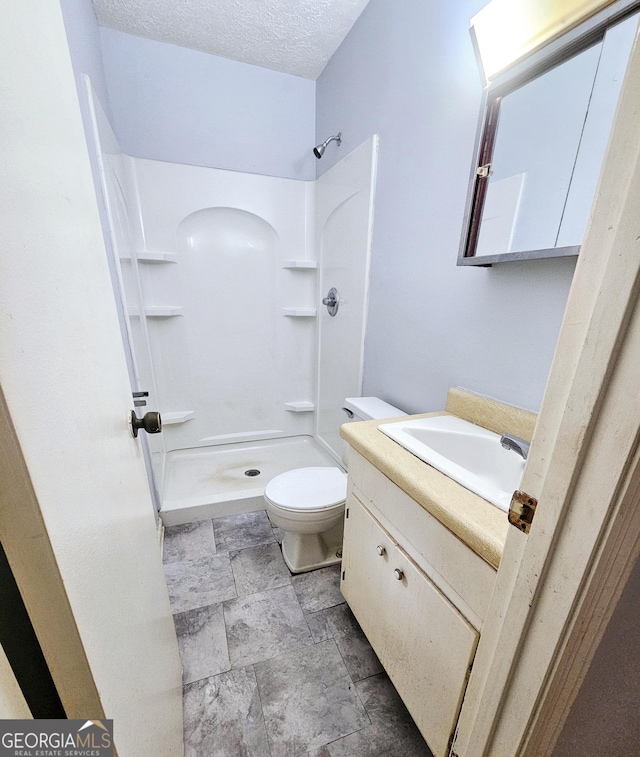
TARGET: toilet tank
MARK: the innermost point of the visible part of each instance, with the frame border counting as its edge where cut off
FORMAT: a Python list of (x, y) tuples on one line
[(369, 408), (366, 409)]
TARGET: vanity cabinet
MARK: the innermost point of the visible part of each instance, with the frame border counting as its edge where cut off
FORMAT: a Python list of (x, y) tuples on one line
[(409, 609)]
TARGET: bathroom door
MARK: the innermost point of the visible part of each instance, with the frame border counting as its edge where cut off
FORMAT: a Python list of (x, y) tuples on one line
[(76, 520)]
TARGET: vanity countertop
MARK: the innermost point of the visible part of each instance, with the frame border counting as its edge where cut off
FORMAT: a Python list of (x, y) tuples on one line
[(472, 519)]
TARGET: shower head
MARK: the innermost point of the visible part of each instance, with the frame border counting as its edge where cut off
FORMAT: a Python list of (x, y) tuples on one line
[(318, 150)]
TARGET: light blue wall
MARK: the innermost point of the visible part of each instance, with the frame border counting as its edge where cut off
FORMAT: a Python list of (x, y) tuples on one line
[(407, 71), (83, 37), (184, 106)]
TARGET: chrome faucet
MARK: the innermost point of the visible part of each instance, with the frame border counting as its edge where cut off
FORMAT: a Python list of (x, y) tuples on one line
[(515, 443)]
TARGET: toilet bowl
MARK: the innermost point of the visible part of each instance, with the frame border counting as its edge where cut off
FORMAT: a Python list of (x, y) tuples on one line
[(308, 503)]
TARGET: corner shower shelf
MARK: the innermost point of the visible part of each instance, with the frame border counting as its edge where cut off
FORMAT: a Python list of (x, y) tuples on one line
[(164, 311), (300, 312), (302, 406), (301, 265), (150, 256), (172, 419)]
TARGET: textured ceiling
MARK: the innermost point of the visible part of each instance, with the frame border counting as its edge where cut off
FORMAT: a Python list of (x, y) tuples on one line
[(293, 36)]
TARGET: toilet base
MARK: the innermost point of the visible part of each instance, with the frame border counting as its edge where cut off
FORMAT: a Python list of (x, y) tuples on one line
[(305, 552)]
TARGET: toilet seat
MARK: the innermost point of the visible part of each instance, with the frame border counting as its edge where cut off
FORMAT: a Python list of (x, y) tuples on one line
[(308, 489)]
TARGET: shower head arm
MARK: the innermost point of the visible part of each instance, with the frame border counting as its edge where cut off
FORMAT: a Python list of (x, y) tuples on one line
[(318, 150)]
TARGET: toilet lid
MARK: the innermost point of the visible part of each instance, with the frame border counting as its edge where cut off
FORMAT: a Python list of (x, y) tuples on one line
[(308, 488)]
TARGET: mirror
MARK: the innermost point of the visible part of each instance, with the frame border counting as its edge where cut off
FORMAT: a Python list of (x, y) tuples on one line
[(543, 136)]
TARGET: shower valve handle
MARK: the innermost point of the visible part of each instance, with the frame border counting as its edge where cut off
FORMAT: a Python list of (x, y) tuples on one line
[(150, 422), (332, 301)]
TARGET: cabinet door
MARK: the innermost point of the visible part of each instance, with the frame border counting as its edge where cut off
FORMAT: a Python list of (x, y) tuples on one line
[(365, 571), (424, 643)]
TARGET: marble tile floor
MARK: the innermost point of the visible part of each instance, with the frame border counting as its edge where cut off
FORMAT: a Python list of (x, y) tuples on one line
[(274, 664)]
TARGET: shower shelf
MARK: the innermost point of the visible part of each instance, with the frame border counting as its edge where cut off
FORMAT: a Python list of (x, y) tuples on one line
[(300, 312), (302, 406), (164, 311), (301, 265), (149, 256), (172, 419)]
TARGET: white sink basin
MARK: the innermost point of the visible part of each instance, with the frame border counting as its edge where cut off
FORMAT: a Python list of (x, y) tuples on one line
[(467, 453)]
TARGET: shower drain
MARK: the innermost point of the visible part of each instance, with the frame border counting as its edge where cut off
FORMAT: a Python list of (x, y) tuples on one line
[(252, 472)]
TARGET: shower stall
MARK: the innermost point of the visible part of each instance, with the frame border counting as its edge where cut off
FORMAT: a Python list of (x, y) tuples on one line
[(220, 276)]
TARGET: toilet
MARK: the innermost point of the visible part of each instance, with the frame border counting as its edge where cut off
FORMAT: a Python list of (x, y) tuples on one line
[(308, 503)]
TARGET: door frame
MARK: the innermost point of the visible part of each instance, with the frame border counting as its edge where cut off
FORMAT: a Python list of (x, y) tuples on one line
[(557, 587), (33, 562)]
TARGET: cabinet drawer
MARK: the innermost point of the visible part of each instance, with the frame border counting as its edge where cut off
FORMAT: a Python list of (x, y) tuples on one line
[(425, 645)]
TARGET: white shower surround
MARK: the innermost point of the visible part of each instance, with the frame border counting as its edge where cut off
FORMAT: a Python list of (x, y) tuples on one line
[(231, 356), (223, 284)]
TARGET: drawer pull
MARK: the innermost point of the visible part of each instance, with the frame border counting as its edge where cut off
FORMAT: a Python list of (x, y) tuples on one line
[(380, 550), (399, 574)]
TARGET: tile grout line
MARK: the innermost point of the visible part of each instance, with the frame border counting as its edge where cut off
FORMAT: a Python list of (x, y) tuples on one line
[(253, 667), (306, 619), (353, 684), (213, 528), (226, 635), (224, 618)]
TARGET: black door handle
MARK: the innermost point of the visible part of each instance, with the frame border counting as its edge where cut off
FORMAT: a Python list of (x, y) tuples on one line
[(150, 422)]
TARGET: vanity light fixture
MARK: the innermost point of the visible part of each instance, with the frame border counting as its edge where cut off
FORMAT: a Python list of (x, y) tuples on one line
[(504, 31)]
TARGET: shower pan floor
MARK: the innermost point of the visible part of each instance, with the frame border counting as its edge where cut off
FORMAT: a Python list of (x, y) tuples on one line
[(208, 482)]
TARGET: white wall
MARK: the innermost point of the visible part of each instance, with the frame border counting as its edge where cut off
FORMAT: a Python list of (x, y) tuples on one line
[(184, 106), (407, 72)]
